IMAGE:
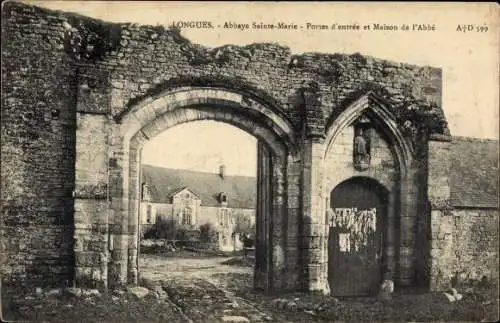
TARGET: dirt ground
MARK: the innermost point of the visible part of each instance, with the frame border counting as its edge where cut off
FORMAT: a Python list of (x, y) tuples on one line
[(197, 288), (224, 286), (157, 267)]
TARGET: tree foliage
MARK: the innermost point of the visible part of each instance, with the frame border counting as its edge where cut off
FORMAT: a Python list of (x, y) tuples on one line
[(163, 229)]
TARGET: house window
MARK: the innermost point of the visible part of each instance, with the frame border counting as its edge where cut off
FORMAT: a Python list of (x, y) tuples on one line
[(187, 216), (224, 217), (149, 215)]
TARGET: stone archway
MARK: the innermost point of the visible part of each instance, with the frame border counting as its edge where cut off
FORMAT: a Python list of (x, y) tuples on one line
[(276, 151)]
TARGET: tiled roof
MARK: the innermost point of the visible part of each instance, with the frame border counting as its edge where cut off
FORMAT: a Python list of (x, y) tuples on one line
[(474, 172), (163, 182)]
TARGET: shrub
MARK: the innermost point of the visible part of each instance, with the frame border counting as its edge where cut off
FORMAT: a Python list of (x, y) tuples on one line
[(208, 233), (187, 234), (162, 229)]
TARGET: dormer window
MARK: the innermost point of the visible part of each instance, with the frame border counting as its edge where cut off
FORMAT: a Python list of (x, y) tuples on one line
[(146, 194), (223, 198)]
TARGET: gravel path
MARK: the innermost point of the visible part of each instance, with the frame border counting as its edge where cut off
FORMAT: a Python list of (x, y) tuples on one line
[(197, 287)]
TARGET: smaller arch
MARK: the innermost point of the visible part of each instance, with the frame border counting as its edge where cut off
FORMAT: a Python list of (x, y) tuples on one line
[(368, 181), (373, 106), (385, 184)]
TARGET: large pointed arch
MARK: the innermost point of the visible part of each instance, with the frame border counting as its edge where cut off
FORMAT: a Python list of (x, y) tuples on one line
[(401, 215), (370, 104)]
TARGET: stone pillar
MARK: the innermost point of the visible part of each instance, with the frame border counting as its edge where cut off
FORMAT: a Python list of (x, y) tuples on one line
[(441, 256), (91, 208), (133, 218), (409, 205), (314, 233), (263, 250), (293, 236), (279, 223), (390, 230), (118, 196)]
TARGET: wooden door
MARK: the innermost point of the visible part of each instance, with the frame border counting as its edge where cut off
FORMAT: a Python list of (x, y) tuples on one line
[(355, 237)]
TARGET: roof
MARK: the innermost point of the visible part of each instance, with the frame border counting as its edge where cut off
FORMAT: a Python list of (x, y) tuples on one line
[(163, 182), (474, 172)]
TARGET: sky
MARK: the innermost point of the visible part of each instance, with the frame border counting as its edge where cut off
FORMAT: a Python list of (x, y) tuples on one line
[(204, 146), (470, 60)]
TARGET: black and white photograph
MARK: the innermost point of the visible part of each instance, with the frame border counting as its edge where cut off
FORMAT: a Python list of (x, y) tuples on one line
[(170, 161)]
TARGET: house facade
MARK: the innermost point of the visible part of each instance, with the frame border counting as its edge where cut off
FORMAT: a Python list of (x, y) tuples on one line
[(192, 199)]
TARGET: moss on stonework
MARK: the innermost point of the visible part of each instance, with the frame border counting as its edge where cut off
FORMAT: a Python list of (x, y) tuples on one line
[(90, 39)]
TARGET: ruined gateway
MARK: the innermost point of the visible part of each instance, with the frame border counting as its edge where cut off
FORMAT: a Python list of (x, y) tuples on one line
[(351, 148)]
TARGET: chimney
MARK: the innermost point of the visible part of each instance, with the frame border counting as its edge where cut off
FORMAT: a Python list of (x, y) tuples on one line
[(222, 171)]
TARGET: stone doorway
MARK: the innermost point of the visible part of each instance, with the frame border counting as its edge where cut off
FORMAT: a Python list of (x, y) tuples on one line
[(356, 242)]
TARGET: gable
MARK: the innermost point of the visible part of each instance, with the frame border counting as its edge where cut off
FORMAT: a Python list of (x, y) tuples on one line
[(182, 194)]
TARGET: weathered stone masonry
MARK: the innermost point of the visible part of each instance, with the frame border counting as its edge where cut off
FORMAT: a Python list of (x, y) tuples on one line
[(81, 97)]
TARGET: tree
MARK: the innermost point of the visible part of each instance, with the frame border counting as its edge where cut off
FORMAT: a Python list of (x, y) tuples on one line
[(162, 229)]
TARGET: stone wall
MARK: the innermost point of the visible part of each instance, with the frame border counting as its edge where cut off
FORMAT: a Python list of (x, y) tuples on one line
[(38, 124), (69, 82), (339, 161), (475, 236), (463, 240), (464, 247)]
